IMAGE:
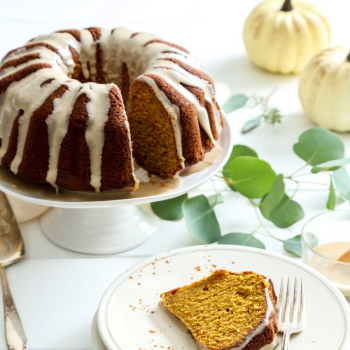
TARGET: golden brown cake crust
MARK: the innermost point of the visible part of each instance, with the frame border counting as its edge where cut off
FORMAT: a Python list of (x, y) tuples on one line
[(265, 337), (18, 61), (116, 168), (21, 74), (165, 42), (30, 46), (192, 146), (73, 32), (73, 167)]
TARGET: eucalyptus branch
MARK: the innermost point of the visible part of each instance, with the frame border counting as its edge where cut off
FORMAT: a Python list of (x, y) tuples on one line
[(261, 222), (296, 190), (256, 230), (216, 193), (343, 194), (313, 183), (299, 175), (227, 179), (270, 115), (307, 182), (252, 177), (296, 171)]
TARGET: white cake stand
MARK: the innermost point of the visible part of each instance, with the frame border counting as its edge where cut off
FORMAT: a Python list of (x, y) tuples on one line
[(111, 226)]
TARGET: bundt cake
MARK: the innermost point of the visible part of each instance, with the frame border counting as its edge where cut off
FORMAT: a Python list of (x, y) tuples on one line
[(77, 106), (228, 311)]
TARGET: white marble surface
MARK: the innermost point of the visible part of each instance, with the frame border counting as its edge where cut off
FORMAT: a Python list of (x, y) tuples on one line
[(56, 291)]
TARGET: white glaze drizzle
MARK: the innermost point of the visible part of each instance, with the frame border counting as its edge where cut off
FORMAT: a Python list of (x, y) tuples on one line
[(26, 95), (57, 124), (178, 77), (97, 108), (173, 112), (87, 56), (117, 47), (61, 42), (273, 345), (45, 56)]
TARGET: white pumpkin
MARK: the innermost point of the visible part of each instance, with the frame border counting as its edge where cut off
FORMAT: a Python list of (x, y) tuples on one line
[(281, 36), (324, 87)]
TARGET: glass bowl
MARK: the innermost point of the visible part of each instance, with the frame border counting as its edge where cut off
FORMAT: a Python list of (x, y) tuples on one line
[(325, 238)]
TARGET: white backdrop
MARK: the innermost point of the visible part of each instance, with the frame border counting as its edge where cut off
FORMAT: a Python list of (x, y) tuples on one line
[(56, 291), (217, 25)]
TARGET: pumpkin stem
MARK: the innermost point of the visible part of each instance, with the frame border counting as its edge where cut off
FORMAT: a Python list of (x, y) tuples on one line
[(287, 6), (348, 58)]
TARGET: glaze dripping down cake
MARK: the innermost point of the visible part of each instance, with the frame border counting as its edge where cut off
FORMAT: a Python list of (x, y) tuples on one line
[(77, 106), (228, 311)]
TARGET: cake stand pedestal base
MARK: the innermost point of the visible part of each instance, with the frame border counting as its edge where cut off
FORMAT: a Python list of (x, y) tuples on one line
[(99, 231)]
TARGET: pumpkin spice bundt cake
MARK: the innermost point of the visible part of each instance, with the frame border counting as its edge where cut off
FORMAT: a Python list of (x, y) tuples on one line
[(77, 106), (228, 311)]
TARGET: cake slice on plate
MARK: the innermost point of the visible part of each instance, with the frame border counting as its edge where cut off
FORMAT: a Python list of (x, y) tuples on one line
[(228, 311)]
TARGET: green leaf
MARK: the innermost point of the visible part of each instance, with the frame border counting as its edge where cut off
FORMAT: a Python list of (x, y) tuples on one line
[(201, 220), (287, 213), (244, 239), (293, 245), (237, 151), (318, 145), (252, 177), (331, 165), (331, 198), (342, 180), (273, 198), (235, 102), (250, 125), (215, 199), (170, 209)]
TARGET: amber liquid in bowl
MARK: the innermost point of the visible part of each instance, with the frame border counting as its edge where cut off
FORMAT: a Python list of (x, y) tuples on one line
[(326, 247)]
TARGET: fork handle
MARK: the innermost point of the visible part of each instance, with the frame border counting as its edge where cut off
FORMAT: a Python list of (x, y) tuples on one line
[(285, 341), (15, 336)]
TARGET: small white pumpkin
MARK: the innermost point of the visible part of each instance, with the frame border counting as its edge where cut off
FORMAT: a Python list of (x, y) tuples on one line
[(324, 87), (281, 36)]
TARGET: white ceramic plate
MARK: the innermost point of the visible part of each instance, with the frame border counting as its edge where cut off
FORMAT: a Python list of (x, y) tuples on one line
[(99, 201), (97, 343), (130, 318)]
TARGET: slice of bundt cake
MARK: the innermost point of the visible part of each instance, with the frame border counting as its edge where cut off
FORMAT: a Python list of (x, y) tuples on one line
[(228, 311), (71, 103)]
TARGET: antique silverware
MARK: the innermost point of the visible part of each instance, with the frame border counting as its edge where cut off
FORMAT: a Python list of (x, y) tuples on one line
[(11, 251), (291, 320)]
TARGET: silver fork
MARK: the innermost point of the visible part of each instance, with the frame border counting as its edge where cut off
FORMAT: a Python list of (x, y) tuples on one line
[(291, 320)]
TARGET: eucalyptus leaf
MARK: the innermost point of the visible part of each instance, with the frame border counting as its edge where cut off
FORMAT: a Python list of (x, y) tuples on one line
[(235, 102), (237, 151), (287, 213), (201, 220), (312, 240), (170, 209), (318, 145), (342, 181), (331, 198), (273, 197), (331, 165), (250, 125), (293, 245), (215, 199), (244, 239), (252, 177)]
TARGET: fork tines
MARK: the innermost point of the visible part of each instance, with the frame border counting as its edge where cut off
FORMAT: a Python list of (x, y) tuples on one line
[(291, 306)]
